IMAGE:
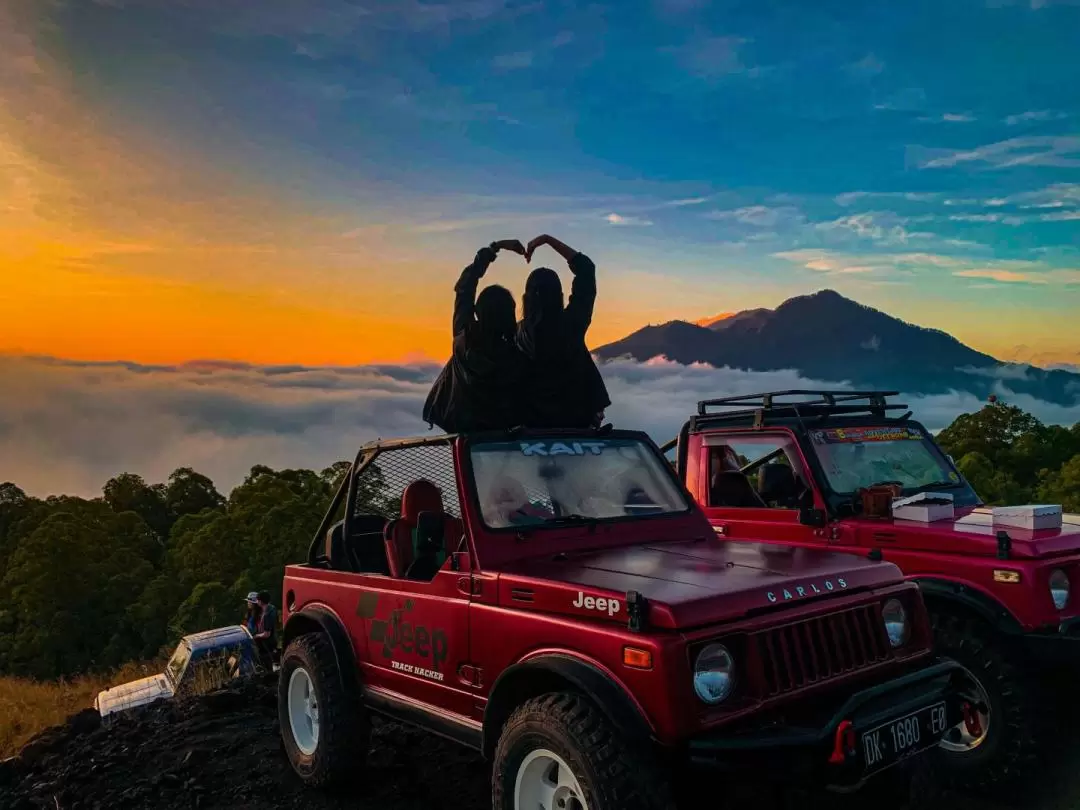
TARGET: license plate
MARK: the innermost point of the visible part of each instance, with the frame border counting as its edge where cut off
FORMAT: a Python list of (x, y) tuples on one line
[(903, 737)]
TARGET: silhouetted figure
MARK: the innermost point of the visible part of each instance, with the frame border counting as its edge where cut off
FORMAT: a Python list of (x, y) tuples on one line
[(479, 388), (562, 383)]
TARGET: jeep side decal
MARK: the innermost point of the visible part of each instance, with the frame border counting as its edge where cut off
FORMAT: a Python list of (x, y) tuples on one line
[(561, 448), (414, 639), (806, 590), (598, 603)]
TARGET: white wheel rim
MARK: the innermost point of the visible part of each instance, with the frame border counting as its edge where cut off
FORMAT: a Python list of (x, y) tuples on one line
[(303, 712), (959, 739), (545, 782)]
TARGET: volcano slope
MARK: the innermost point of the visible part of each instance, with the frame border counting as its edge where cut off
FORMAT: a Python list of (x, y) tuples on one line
[(224, 750)]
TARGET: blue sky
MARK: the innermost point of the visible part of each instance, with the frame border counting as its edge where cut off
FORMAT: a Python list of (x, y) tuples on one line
[(921, 157)]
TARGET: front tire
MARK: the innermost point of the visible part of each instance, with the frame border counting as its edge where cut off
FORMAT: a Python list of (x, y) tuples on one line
[(1000, 756), (323, 726), (559, 752)]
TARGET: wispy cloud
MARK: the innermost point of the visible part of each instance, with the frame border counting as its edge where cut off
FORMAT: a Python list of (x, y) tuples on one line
[(629, 221), (1012, 271), (866, 67), (884, 228), (1004, 276), (713, 57), (1032, 116), (1062, 151), (950, 118), (849, 197), (760, 216)]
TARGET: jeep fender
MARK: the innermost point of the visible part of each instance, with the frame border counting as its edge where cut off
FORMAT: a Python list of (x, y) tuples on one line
[(555, 672), (316, 618), (970, 598)]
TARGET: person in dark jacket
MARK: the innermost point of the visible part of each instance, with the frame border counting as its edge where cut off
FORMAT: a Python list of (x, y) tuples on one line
[(478, 388), (563, 386)]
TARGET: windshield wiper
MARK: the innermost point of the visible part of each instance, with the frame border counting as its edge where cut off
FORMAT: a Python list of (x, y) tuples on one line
[(570, 518), (940, 485)]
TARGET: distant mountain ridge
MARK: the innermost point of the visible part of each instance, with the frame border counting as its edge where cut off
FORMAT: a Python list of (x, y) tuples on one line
[(826, 336)]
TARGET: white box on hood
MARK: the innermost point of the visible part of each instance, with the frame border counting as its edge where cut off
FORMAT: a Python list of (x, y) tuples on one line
[(924, 507), (1032, 517)]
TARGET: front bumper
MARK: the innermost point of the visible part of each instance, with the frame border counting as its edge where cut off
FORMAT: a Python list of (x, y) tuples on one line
[(1054, 645), (814, 752)]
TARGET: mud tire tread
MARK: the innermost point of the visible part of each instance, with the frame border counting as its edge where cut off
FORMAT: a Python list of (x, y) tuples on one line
[(614, 774), (344, 725)]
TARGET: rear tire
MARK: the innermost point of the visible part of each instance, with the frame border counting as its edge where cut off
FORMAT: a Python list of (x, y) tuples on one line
[(1003, 755), (325, 730), (560, 747)]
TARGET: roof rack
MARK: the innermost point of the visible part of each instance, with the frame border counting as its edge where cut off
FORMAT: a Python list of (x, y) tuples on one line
[(812, 404)]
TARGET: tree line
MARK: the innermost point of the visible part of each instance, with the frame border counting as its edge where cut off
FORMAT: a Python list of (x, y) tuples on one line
[(90, 584)]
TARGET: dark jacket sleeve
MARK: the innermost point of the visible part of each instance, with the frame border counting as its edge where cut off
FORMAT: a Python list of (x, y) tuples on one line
[(465, 292), (579, 310)]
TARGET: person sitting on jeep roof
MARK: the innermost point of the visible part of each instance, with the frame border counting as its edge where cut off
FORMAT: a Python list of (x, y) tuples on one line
[(478, 387), (563, 385)]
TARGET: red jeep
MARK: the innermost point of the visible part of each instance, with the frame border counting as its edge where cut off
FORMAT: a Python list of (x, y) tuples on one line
[(827, 469), (557, 601)]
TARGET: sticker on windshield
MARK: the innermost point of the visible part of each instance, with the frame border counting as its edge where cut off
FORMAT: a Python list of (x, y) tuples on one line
[(868, 434), (561, 448)]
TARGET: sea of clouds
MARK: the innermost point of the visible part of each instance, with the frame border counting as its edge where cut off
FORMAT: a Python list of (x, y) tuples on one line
[(66, 426)]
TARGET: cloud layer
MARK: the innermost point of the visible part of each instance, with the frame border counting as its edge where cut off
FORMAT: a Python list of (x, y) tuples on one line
[(68, 426)]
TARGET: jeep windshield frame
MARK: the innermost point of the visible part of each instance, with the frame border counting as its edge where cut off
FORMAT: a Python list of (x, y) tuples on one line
[(540, 481), (843, 444)]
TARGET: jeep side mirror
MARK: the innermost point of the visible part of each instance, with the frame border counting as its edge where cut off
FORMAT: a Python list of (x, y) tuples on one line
[(812, 517), (430, 531)]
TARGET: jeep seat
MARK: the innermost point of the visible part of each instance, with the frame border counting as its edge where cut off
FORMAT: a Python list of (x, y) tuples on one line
[(419, 496), (730, 488), (778, 485)]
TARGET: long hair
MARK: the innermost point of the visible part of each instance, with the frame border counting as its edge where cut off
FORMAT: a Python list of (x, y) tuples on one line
[(496, 313)]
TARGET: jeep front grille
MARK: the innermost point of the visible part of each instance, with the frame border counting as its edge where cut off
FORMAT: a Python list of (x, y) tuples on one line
[(816, 650)]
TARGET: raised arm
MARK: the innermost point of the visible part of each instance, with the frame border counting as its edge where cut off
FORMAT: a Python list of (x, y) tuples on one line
[(469, 280), (579, 309), (465, 290)]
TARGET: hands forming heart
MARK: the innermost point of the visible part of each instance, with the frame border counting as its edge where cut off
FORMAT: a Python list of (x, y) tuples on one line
[(526, 251)]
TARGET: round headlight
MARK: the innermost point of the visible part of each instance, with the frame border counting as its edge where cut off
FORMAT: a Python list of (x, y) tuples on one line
[(896, 622), (714, 674), (1059, 588)]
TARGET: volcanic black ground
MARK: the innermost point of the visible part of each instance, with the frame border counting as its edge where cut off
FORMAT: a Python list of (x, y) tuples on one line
[(224, 751)]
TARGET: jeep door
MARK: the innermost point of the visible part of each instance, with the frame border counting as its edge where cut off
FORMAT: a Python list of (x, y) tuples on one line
[(751, 485), (415, 631)]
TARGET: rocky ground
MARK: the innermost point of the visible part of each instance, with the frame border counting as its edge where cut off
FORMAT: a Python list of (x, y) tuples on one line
[(224, 751)]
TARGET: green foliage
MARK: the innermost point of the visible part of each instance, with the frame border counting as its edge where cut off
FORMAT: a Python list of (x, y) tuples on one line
[(88, 584), (1005, 452)]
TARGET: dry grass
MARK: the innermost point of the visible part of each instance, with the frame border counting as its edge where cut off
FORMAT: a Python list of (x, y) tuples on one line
[(27, 707)]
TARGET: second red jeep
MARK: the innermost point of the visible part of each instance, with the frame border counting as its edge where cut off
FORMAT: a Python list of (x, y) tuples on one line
[(851, 471)]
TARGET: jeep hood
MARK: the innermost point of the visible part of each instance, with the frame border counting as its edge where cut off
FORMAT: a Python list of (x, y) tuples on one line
[(688, 583), (133, 694), (974, 533)]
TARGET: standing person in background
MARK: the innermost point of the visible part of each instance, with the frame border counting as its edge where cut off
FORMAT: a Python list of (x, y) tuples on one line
[(254, 613), (563, 384), (266, 638), (478, 387)]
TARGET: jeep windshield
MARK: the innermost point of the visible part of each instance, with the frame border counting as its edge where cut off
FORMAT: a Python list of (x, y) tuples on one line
[(555, 482), (857, 457), (174, 670)]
